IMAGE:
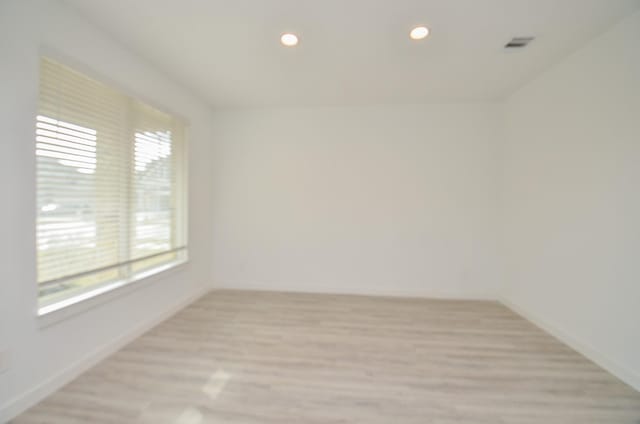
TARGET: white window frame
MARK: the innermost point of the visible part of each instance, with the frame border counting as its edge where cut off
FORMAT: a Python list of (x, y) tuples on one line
[(53, 312)]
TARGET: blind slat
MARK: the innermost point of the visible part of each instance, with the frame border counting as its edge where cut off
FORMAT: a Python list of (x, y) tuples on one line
[(110, 180)]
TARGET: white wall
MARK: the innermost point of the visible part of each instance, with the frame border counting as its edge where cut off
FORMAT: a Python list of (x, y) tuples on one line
[(572, 200), (42, 358), (397, 200)]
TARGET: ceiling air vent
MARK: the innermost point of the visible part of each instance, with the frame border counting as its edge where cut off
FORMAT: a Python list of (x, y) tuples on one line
[(518, 42)]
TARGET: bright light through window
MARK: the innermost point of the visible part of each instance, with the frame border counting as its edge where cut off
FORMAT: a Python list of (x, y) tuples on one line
[(111, 204)]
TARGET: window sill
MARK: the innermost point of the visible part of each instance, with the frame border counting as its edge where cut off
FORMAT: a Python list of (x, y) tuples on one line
[(59, 311)]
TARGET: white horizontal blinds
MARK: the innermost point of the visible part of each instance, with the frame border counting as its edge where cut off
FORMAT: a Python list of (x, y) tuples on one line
[(80, 158), (157, 138), (107, 182)]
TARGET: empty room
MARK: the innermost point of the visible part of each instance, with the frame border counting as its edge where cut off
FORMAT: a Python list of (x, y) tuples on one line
[(320, 211)]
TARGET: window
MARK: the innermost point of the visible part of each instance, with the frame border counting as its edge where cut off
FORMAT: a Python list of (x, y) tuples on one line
[(111, 197)]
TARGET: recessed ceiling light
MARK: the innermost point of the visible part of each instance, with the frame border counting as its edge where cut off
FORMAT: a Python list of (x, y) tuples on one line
[(418, 33), (289, 39)]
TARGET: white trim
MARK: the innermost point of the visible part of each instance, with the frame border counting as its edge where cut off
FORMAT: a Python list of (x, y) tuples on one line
[(21, 403), (586, 350), (59, 311), (357, 291)]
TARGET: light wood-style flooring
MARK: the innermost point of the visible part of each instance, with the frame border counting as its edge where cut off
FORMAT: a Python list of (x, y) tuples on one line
[(253, 357)]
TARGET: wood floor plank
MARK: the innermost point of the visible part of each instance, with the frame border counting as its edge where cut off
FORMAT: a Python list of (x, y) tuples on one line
[(239, 357)]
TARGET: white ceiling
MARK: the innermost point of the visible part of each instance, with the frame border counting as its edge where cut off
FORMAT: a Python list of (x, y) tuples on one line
[(351, 51)]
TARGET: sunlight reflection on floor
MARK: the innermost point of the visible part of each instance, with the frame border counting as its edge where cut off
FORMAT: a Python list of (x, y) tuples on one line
[(190, 416), (216, 383)]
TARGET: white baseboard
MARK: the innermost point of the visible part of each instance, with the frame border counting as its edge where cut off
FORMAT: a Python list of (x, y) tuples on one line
[(600, 359), (384, 291), (22, 402)]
